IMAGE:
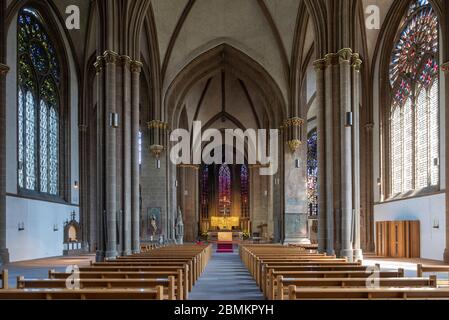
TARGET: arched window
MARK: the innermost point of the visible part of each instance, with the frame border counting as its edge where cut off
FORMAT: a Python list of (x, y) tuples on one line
[(39, 116), (205, 191), (312, 173), (224, 190), (414, 112), (244, 190)]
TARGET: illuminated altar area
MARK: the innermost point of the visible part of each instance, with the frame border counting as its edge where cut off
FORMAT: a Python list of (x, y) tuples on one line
[(224, 202)]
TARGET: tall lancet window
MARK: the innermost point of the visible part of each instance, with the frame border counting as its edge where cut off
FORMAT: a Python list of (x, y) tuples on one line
[(205, 191), (312, 173), (414, 112), (244, 190), (38, 106), (224, 190)]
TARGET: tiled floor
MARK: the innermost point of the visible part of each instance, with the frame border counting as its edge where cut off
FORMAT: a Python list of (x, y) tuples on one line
[(226, 278)]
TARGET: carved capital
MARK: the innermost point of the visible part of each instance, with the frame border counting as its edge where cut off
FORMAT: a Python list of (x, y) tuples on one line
[(3, 69), (369, 126), (445, 67), (82, 127), (293, 122), (331, 59), (99, 64), (157, 124), (136, 66), (110, 57), (356, 62), (125, 61), (156, 150), (320, 64), (344, 55)]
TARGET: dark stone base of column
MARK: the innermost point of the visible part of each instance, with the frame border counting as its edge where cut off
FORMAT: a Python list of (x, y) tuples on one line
[(348, 254), (99, 256), (111, 255), (446, 255), (4, 256)]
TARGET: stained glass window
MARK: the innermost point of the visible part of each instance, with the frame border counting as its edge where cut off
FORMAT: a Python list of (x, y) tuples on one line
[(38, 106), (244, 190), (205, 191), (224, 190), (312, 173), (414, 117)]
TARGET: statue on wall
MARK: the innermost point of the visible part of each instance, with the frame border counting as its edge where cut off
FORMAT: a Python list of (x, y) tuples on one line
[(153, 224), (179, 229)]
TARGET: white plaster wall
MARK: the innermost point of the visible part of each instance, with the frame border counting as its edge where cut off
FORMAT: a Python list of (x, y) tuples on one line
[(38, 239), (428, 210)]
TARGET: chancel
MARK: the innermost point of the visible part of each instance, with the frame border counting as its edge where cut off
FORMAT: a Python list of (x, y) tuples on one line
[(335, 175)]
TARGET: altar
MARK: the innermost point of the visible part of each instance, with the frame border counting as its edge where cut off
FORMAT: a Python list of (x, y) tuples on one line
[(225, 236), (225, 229)]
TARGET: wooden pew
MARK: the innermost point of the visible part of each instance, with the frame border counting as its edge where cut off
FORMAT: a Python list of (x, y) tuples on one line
[(421, 269), (284, 283), (296, 293), (270, 269), (168, 284), (274, 274), (5, 279), (84, 294), (181, 282)]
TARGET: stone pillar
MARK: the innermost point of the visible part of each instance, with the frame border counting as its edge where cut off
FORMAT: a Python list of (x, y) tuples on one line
[(4, 254), (339, 163), (345, 154), (188, 196), (445, 68), (295, 207), (329, 149), (127, 155), (110, 60), (356, 63), (321, 153), (136, 68)]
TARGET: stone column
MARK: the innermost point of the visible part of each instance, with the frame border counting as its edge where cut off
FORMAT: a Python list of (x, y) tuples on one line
[(136, 68), (110, 59), (127, 155), (188, 191), (445, 68), (329, 149), (4, 254), (321, 153), (295, 210), (346, 154), (356, 63)]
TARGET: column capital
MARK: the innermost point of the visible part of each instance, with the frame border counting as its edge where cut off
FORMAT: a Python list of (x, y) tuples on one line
[(125, 61), (99, 64), (319, 64), (111, 57), (3, 69), (356, 62), (331, 59), (344, 55), (136, 66), (445, 67)]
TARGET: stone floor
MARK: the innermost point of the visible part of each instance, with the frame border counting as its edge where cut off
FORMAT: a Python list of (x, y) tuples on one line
[(38, 269), (226, 278)]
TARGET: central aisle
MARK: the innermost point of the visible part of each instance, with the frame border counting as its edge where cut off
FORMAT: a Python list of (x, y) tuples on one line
[(226, 278)]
